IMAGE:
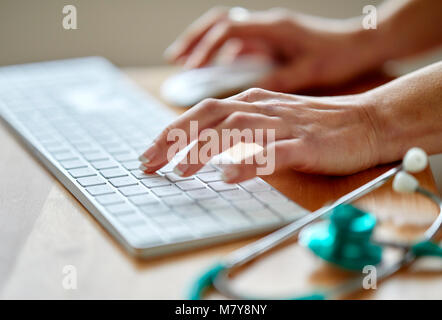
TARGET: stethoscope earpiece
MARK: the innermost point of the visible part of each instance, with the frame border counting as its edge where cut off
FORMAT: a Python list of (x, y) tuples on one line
[(405, 183), (415, 160)]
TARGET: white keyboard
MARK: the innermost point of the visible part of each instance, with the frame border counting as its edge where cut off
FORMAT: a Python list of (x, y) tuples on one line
[(87, 123)]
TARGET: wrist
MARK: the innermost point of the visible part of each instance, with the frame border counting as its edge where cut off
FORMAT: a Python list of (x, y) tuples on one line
[(391, 125)]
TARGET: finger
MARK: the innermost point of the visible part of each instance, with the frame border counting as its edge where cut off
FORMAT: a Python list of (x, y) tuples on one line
[(238, 127), (275, 156), (189, 39), (217, 36), (206, 114)]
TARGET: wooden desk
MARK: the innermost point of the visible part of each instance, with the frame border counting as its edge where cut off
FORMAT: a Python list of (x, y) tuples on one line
[(43, 228)]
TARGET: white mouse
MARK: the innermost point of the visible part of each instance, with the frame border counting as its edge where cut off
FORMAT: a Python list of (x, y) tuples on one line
[(190, 87)]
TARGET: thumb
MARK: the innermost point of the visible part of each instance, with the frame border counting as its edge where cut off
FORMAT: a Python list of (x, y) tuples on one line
[(275, 156)]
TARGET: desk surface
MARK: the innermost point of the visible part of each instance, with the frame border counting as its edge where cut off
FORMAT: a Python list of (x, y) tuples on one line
[(43, 228)]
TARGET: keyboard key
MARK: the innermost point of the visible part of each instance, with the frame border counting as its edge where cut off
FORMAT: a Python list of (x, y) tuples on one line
[(89, 151), (128, 156), (132, 219), (214, 203), (174, 177), (65, 156), (255, 185), (99, 190), (113, 173), (112, 198), (133, 190), (145, 236), (248, 204), (288, 210), (141, 175), (143, 199), (131, 165), (91, 181), (96, 156), (123, 181), (104, 164), (155, 182), (204, 225), (120, 208), (168, 167), (167, 219), (177, 200), (73, 164), (177, 232), (264, 216), (190, 211), (200, 194), (115, 147), (237, 194), (190, 185), (207, 168), (222, 186), (82, 172), (83, 147), (231, 218), (57, 148), (270, 197), (154, 209), (166, 191), (209, 176)]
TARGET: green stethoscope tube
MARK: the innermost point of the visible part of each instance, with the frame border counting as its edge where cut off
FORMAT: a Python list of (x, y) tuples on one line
[(205, 281), (217, 275)]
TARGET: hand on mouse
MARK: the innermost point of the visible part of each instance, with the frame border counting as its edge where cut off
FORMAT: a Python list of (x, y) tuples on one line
[(308, 51)]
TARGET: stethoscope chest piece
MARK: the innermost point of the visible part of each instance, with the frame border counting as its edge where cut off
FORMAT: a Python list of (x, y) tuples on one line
[(344, 239)]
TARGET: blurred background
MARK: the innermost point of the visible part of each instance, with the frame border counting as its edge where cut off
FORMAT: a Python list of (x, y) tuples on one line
[(133, 32), (136, 32), (128, 32)]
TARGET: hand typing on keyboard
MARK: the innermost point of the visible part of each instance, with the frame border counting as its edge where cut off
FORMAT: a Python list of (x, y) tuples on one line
[(312, 134)]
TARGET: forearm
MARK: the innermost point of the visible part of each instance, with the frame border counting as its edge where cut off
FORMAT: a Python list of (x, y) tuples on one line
[(407, 112), (408, 27), (404, 28)]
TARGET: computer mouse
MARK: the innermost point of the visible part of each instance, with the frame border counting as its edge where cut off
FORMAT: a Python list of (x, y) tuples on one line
[(191, 86)]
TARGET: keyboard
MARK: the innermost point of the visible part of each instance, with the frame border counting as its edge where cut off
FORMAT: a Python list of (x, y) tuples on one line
[(87, 123)]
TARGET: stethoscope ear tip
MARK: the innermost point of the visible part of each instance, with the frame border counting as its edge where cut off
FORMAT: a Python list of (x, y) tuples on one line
[(415, 160), (405, 183)]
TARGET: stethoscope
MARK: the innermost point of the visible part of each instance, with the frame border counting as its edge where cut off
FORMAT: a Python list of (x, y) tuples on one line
[(344, 240)]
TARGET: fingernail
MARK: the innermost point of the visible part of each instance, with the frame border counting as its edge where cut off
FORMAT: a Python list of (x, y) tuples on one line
[(180, 169), (170, 51), (142, 167), (143, 159), (230, 173), (148, 155)]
